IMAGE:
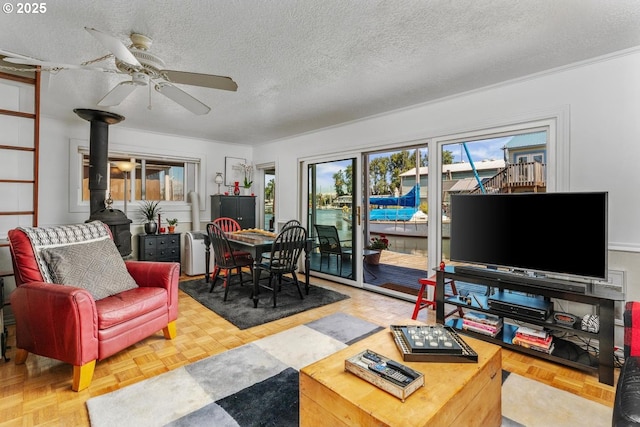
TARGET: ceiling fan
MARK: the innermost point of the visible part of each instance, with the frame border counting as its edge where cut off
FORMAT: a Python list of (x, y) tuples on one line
[(144, 68)]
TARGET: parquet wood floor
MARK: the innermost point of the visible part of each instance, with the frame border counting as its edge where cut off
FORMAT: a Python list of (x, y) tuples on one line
[(39, 392)]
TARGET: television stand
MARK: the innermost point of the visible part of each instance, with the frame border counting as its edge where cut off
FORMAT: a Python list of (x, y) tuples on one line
[(601, 298)]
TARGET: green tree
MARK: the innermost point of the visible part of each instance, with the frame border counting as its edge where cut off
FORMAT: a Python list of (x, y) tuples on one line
[(348, 178), (400, 162), (339, 183), (378, 174), (447, 157), (270, 189)]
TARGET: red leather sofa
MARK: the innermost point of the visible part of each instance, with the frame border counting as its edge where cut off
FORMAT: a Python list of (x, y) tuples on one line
[(66, 323)]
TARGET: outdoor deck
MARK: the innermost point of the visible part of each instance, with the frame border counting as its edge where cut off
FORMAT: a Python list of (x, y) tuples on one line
[(396, 271)]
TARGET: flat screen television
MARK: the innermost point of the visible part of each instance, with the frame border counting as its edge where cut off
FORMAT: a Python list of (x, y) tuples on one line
[(560, 233)]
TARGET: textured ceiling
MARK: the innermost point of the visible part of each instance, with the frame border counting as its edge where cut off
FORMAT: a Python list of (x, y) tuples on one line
[(305, 65)]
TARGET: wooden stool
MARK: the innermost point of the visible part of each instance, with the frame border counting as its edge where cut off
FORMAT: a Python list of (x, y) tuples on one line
[(423, 301)]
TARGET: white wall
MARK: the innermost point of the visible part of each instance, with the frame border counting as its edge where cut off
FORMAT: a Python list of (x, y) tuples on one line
[(602, 101)]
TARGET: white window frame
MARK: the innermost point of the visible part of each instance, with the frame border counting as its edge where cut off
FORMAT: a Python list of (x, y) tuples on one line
[(556, 125), (79, 147)]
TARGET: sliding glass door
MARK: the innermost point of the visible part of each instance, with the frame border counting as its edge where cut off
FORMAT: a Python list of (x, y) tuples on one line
[(395, 220), (332, 218)]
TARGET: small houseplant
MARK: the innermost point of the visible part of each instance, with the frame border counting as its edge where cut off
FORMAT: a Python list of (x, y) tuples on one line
[(247, 168), (247, 183), (376, 244), (379, 243), (172, 224), (148, 212)]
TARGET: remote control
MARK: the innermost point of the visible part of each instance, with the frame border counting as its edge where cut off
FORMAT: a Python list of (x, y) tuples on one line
[(372, 356), (401, 368), (389, 373)]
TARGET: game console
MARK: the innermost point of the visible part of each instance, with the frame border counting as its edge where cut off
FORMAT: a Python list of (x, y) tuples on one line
[(533, 307)]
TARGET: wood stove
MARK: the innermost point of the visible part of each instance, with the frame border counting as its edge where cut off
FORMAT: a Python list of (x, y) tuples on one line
[(117, 221)]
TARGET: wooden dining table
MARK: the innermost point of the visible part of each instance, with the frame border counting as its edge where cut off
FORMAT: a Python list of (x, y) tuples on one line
[(257, 243)]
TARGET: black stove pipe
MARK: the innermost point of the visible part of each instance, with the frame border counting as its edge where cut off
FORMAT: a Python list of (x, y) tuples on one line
[(117, 221), (98, 154)]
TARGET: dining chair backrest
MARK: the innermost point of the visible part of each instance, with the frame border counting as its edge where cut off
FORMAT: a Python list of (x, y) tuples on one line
[(227, 224), (286, 249), (222, 253), (290, 223)]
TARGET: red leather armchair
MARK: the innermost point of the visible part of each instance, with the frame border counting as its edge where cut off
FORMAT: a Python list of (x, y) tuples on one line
[(65, 322)]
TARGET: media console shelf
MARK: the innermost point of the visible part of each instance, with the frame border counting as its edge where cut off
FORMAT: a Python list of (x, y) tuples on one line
[(601, 298)]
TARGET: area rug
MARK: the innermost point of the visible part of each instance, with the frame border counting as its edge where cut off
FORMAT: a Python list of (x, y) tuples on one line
[(534, 404), (239, 310), (215, 390)]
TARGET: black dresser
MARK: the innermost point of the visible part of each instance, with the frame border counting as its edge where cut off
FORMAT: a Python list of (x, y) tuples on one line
[(159, 247)]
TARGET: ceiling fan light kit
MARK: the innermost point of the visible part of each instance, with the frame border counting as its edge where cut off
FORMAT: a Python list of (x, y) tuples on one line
[(139, 79), (142, 66)]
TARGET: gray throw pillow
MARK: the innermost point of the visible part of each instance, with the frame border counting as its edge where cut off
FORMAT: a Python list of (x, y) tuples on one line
[(95, 266)]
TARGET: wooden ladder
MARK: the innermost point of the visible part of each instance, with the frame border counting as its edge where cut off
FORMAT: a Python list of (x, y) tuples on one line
[(17, 178)]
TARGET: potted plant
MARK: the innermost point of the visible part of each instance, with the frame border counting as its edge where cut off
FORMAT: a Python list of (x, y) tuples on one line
[(248, 177), (378, 244), (172, 224), (247, 184), (148, 211)]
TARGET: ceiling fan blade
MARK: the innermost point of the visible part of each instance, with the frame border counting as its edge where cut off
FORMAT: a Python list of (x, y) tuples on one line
[(16, 58), (204, 80), (118, 94), (54, 65), (115, 46), (182, 98), (10, 54), (36, 62)]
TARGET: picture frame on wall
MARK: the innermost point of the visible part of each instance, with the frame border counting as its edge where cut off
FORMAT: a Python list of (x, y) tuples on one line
[(232, 172)]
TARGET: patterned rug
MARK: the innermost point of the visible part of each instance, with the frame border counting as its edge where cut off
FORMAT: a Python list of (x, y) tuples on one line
[(215, 391), (239, 310), (534, 404)]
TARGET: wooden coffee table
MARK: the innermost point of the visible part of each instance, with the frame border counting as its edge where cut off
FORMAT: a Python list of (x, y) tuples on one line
[(455, 394)]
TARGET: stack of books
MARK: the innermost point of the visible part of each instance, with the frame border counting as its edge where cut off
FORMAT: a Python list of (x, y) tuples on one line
[(482, 323), (535, 339)]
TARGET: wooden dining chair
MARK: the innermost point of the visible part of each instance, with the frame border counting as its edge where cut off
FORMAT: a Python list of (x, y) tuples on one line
[(287, 224), (228, 225), (285, 253), (226, 259)]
